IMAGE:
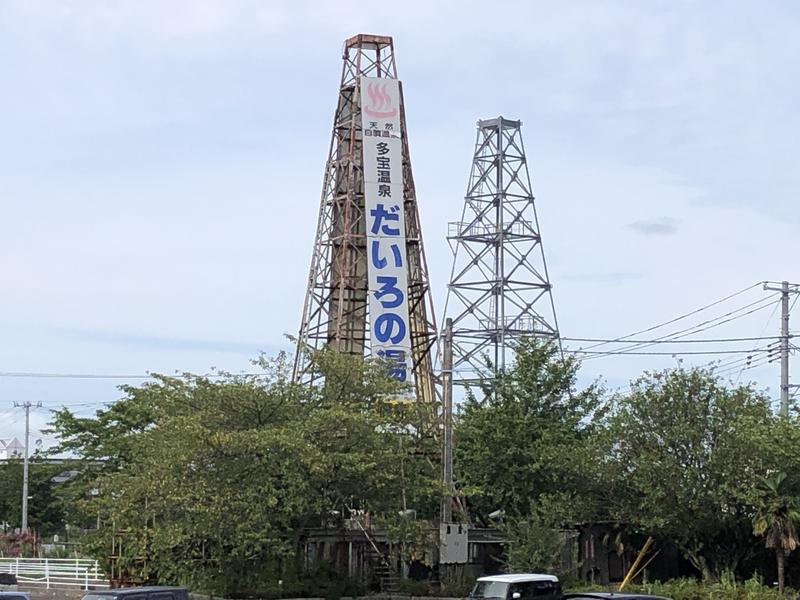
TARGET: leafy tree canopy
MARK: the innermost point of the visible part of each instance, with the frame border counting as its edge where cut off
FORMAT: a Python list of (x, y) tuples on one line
[(528, 438), (680, 443), (213, 479)]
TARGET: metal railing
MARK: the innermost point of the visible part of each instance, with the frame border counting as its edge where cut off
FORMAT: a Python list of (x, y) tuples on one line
[(521, 323), (81, 573), (483, 229)]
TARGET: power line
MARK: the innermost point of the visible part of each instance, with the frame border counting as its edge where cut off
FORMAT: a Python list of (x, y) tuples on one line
[(675, 353), (700, 327), (40, 375), (633, 347), (31, 375), (751, 361), (735, 363), (742, 368), (763, 331), (722, 364), (50, 404), (663, 341), (785, 289), (681, 317), (10, 418)]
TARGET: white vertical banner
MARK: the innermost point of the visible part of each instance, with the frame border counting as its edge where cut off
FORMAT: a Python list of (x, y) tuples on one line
[(387, 272)]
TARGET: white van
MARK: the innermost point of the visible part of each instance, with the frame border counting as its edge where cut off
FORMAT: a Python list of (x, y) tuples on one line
[(517, 586)]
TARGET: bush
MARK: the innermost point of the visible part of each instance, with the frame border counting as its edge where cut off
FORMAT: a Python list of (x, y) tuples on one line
[(411, 587), (691, 589)]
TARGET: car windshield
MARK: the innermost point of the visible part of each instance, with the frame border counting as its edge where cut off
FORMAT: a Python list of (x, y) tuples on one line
[(99, 597), (538, 590), (489, 589)]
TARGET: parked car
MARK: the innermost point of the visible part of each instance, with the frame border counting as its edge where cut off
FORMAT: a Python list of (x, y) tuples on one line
[(139, 593), (8, 582), (14, 596), (517, 586), (611, 595)]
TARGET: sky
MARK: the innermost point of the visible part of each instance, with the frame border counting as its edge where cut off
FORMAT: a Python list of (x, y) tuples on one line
[(161, 165)]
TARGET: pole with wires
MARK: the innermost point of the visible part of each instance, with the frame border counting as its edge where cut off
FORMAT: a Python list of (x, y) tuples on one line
[(785, 289), (27, 406), (447, 441)]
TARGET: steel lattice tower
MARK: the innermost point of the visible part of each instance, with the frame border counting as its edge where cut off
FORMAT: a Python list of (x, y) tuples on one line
[(499, 287), (335, 312)]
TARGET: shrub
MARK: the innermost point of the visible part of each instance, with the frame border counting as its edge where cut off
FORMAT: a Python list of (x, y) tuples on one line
[(692, 589)]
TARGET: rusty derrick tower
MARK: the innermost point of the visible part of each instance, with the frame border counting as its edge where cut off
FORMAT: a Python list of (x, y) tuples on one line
[(368, 290), (499, 287)]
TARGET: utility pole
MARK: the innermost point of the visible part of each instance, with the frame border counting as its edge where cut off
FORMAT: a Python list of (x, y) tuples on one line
[(27, 406), (447, 441), (785, 289)]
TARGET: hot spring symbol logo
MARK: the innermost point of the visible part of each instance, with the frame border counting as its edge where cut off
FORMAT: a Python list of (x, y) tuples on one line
[(380, 103)]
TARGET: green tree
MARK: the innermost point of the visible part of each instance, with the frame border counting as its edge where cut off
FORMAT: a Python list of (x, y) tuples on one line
[(214, 479), (46, 508), (681, 448), (529, 438), (777, 514), (534, 546)]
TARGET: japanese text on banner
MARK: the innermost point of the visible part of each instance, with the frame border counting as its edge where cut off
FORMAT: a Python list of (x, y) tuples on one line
[(387, 272)]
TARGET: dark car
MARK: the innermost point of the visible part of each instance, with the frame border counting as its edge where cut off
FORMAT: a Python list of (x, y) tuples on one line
[(140, 593), (14, 596), (611, 595)]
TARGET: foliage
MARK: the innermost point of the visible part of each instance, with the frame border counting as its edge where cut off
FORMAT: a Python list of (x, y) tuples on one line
[(776, 517), (456, 581), (214, 479), (777, 513), (17, 544), (691, 589), (534, 545), (46, 511), (677, 457), (529, 437), (677, 445), (455, 587), (411, 539), (412, 587)]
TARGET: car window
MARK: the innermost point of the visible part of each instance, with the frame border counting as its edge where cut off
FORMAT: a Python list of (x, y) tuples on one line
[(538, 590), (161, 596), (489, 589)]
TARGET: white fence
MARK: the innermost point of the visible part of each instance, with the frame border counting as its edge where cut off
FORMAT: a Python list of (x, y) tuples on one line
[(81, 573)]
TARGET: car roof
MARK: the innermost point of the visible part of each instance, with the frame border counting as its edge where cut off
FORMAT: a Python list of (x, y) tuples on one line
[(519, 577), (136, 590), (611, 596)]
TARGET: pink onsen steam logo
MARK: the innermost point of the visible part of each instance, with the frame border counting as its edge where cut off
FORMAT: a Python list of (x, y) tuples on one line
[(380, 101)]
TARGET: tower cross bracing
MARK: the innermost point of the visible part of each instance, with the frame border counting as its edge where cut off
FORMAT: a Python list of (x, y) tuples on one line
[(337, 303), (499, 287)]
